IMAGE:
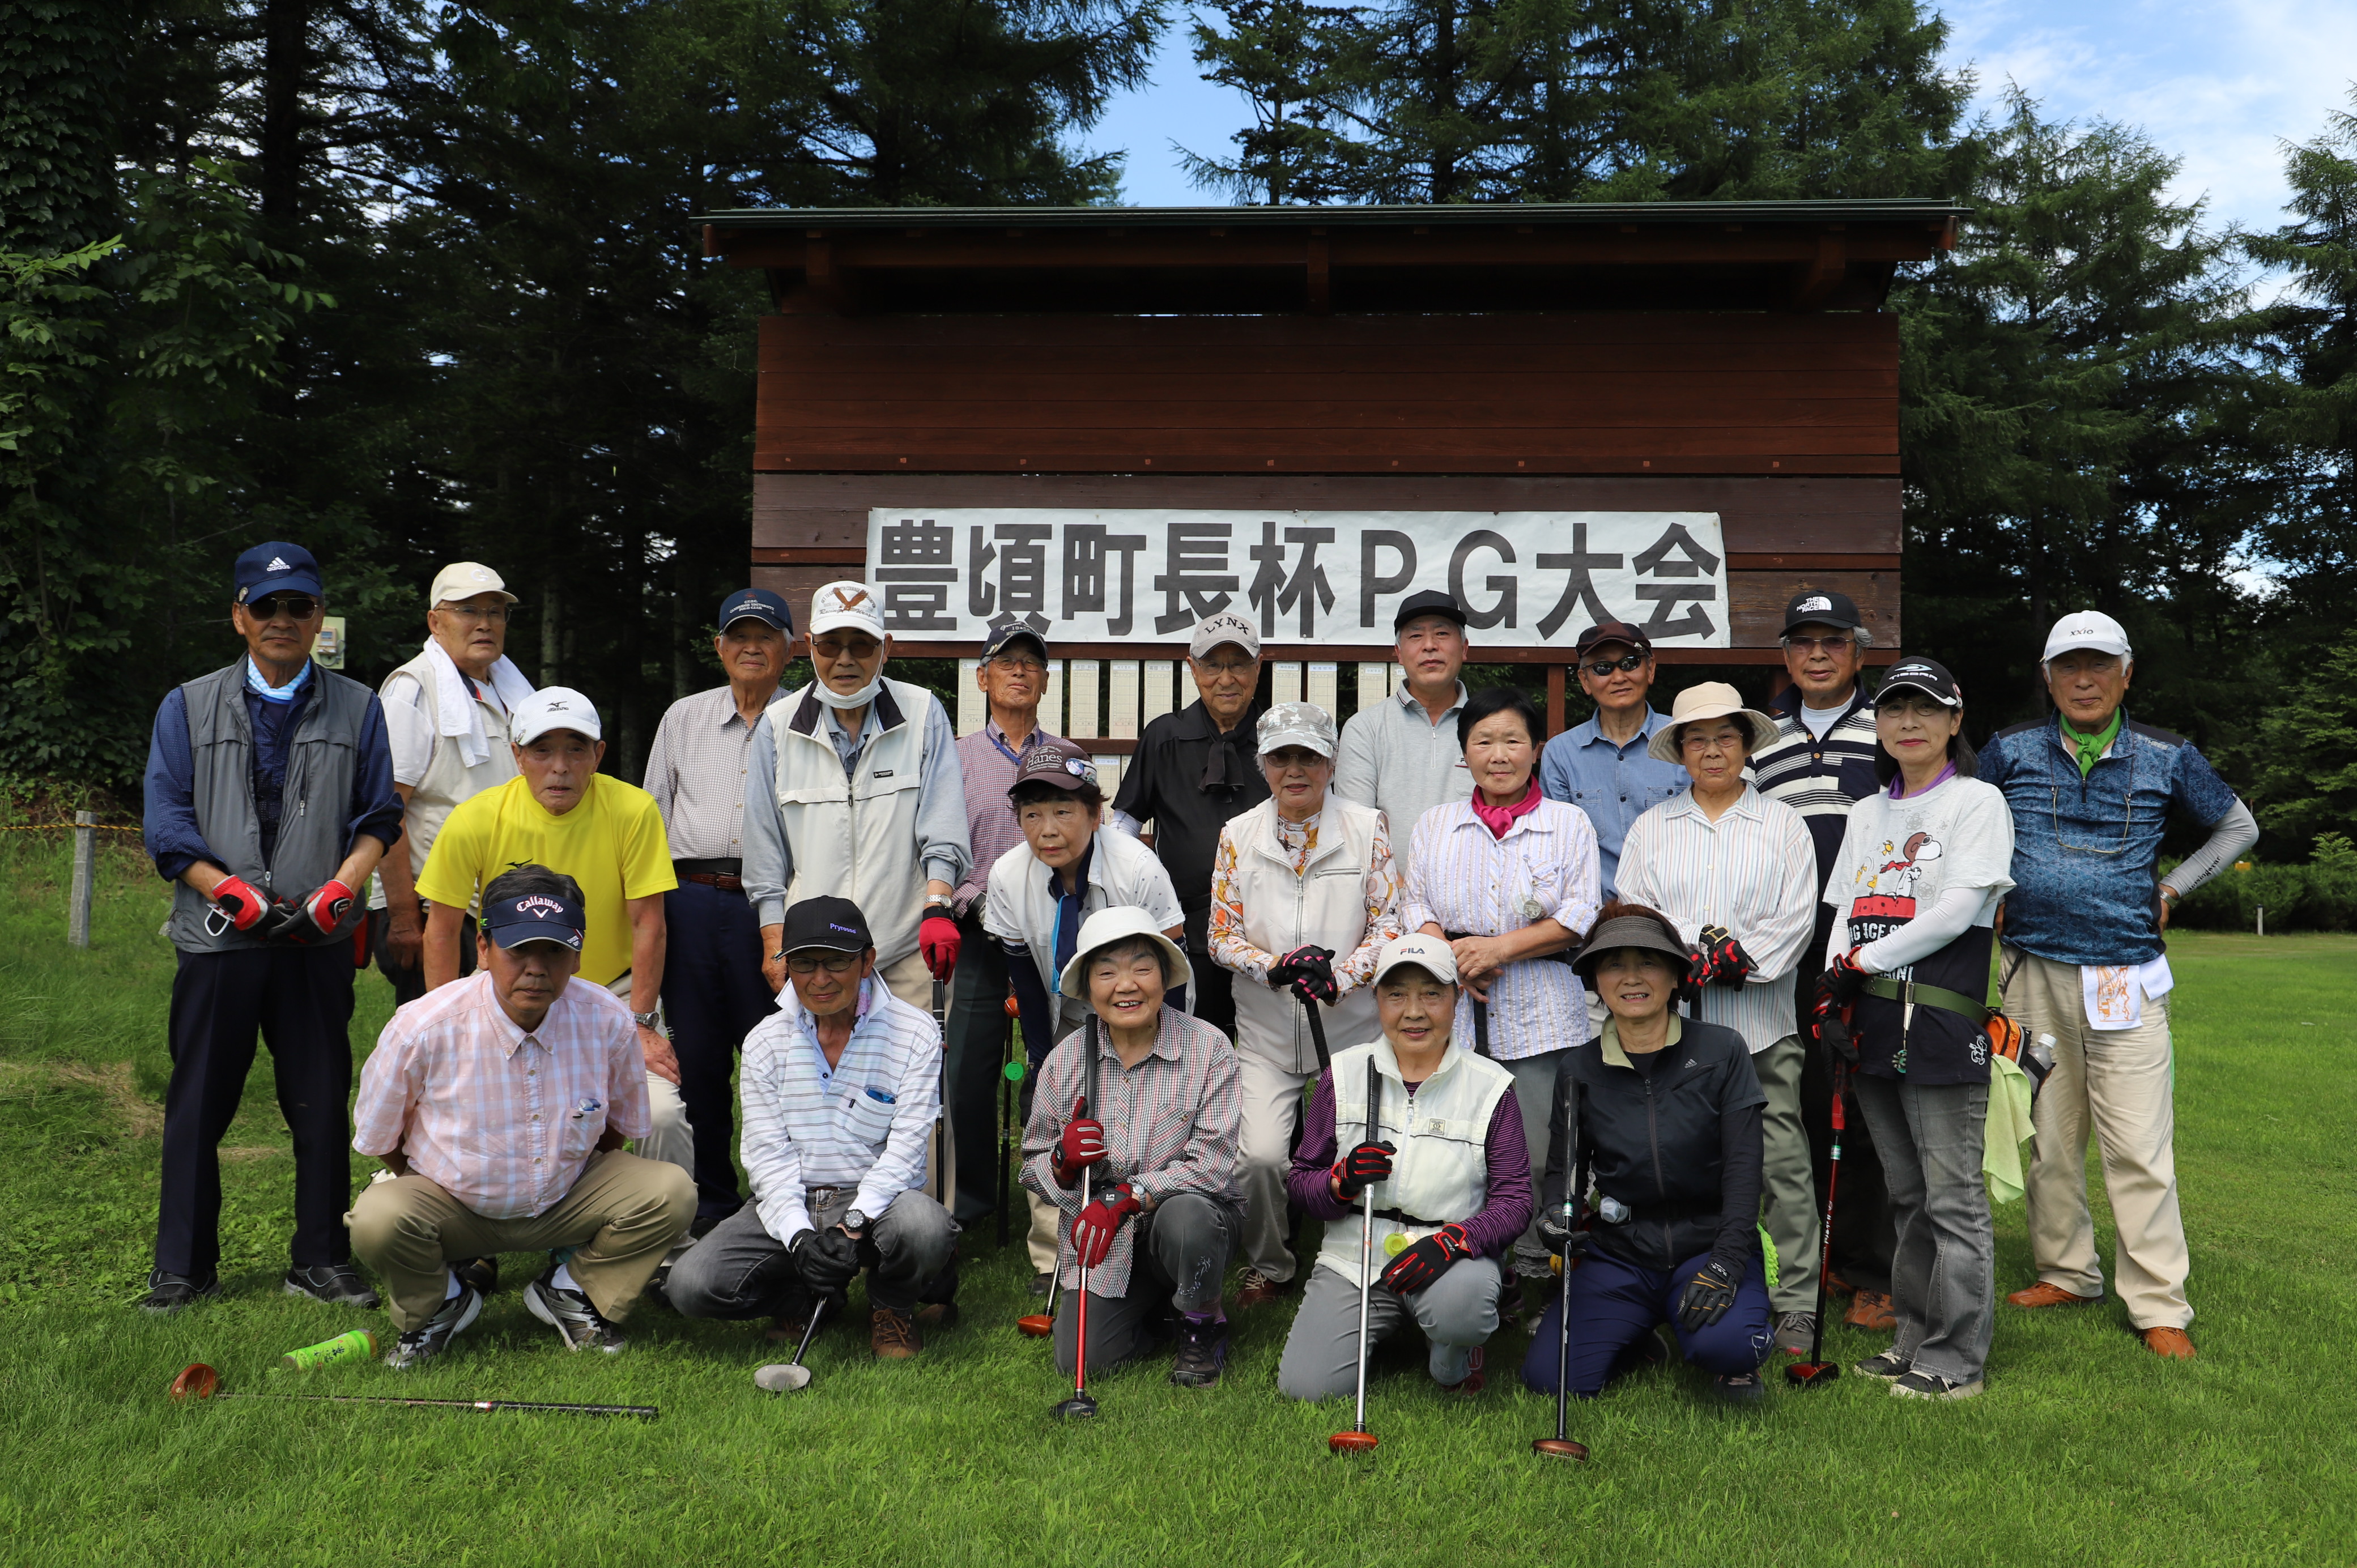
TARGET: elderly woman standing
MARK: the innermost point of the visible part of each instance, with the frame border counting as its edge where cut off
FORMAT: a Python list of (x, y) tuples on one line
[(1304, 896), (1736, 871), (1508, 877)]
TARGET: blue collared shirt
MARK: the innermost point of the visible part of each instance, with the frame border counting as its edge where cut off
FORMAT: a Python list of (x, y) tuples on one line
[(1614, 785)]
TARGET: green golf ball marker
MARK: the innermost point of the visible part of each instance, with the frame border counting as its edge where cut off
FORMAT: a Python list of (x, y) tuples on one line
[(1014, 1071)]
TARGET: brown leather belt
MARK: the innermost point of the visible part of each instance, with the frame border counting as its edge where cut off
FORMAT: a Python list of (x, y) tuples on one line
[(724, 875)]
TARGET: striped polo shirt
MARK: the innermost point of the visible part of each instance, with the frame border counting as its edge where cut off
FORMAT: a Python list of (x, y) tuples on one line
[(1820, 778)]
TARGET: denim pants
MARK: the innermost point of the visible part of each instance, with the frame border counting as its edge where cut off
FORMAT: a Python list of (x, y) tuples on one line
[(740, 1270), (1944, 1272), (1613, 1302)]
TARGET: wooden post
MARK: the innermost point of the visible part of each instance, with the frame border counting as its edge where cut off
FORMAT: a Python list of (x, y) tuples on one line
[(85, 879), (1555, 700)]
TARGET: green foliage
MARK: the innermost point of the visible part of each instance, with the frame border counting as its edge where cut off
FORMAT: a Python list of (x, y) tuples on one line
[(2303, 758)]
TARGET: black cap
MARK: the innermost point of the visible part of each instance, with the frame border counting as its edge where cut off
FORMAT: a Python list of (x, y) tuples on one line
[(1057, 762), (1924, 675), (1821, 606), (828, 922), (1430, 602), (1000, 636), (1612, 632), (535, 918), (756, 604)]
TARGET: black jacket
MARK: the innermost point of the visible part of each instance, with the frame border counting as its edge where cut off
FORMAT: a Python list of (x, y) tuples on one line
[(1681, 1148), (1164, 784)]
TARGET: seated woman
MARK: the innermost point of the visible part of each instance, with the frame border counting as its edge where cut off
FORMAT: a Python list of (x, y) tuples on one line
[(1159, 1133), (1665, 1114), (1452, 1180)]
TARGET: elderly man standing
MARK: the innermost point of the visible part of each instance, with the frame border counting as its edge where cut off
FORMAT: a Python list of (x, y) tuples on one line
[(1013, 676), (712, 990), (1402, 756), (269, 801), (445, 715), (499, 1105), (1193, 771), (1603, 765), (1820, 763), (852, 789), (2086, 964)]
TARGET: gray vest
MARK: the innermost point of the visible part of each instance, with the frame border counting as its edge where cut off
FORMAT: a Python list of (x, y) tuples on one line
[(322, 760)]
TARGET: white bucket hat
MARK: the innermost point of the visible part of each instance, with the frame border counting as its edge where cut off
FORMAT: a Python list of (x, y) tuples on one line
[(1118, 924), (1710, 700)]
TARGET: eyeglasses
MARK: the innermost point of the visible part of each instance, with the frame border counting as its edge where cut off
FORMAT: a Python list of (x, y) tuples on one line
[(1018, 666), (834, 964), (859, 647), (1239, 667), (1822, 644), (1702, 743), (496, 615), (1602, 667), (293, 606)]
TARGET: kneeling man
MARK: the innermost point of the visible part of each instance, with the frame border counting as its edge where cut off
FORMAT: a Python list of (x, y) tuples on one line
[(840, 1087), (500, 1104), (1451, 1175)]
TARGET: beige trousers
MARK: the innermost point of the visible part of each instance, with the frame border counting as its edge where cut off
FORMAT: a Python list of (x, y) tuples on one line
[(1272, 1110), (622, 1215), (670, 1139), (2118, 1082), (1788, 1179)]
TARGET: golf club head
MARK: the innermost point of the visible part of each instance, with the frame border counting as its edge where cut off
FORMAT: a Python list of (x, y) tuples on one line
[(1075, 1408), (1558, 1448), (1038, 1326), (197, 1382), (1811, 1374), (1350, 1443), (783, 1377)]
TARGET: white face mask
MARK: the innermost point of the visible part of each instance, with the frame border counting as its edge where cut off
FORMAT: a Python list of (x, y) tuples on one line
[(841, 700)]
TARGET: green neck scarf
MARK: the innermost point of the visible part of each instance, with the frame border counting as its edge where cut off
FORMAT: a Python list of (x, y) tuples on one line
[(2091, 747)]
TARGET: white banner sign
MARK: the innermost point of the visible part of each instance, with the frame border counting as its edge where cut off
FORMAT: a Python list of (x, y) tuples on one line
[(1527, 579)]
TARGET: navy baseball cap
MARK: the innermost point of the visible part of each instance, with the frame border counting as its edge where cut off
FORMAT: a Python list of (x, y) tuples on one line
[(535, 918), (274, 567), (758, 604), (1002, 635), (828, 922)]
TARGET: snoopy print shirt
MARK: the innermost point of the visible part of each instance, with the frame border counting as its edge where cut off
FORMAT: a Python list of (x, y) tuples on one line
[(1897, 856)]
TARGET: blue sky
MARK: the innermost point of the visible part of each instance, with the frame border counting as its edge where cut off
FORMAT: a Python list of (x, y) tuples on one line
[(2217, 83)]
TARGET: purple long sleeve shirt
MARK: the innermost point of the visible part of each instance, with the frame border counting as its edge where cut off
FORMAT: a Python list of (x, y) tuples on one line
[(1505, 1212)]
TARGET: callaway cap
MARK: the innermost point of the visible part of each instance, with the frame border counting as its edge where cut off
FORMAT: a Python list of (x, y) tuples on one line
[(1298, 724), (2090, 629), (756, 604), (463, 580), (1922, 675), (847, 607), (1820, 607), (1612, 632), (1057, 762), (1430, 602), (554, 707), (828, 922), (535, 918), (1430, 954), (1225, 626), (276, 567), (1012, 631)]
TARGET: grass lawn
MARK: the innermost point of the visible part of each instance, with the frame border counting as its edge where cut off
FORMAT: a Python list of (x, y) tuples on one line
[(2086, 1448)]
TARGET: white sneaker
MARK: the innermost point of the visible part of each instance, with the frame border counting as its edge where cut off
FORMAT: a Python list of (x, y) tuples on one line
[(424, 1343)]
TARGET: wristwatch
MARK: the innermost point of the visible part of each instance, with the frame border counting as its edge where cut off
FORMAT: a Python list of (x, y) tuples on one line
[(647, 1020), (854, 1221)]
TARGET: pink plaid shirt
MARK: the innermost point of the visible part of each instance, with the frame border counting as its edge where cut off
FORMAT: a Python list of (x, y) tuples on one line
[(501, 1120)]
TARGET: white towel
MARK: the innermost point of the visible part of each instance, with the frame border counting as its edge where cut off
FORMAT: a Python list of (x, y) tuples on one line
[(457, 714)]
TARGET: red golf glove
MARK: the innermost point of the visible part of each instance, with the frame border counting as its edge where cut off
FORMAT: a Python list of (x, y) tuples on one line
[(937, 939), (1093, 1227), (1082, 1145), (239, 903), (1362, 1168), (1426, 1261), (328, 906)]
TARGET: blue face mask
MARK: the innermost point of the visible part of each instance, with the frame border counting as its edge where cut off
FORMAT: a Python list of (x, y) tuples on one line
[(269, 694)]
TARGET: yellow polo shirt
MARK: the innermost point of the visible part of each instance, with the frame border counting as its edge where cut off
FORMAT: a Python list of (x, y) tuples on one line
[(612, 844)]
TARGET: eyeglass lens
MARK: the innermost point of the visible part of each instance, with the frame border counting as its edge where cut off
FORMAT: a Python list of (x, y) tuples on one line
[(834, 964), (1602, 667), (295, 606)]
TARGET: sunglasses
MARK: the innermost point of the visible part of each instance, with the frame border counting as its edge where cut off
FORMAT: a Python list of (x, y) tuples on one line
[(293, 606), (1603, 667)]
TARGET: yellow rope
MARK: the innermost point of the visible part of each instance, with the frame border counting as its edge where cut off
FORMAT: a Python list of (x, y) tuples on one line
[(45, 827)]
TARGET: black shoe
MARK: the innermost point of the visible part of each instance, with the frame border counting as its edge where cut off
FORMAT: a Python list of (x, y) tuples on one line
[(568, 1312), (1203, 1351), (421, 1345), (336, 1284), (1039, 1284), (480, 1276), (168, 1294), (1932, 1386), (1643, 1351), (1886, 1366)]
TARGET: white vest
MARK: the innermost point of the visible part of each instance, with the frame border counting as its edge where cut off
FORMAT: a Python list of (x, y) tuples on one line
[(1441, 1172), (1325, 905), (855, 837), (448, 782)]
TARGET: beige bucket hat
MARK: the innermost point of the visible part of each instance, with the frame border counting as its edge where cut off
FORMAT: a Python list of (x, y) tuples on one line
[(1710, 700)]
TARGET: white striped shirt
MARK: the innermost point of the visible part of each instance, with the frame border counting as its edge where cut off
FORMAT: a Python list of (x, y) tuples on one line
[(863, 1123), (501, 1120), (1467, 881), (1753, 871)]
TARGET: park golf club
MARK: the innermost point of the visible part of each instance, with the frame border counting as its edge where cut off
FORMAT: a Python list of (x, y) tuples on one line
[(1358, 1440), (202, 1382), (1039, 1324), (1561, 1446), (1817, 1372), (1010, 1074), (786, 1377), (1080, 1404)]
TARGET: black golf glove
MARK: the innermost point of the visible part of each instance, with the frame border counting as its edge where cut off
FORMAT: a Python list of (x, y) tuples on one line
[(1426, 1261), (1709, 1295), (1309, 973), (1362, 1168), (1842, 981), (1729, 965), (828, 1260), (1561, 1239)]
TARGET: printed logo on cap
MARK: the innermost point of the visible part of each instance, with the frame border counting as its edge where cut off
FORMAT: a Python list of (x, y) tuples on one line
[(278, 563), (1907, 671), (556, 706), (845, 600), (539, 905), (847, 930), (1814, 602), (1080, 768)]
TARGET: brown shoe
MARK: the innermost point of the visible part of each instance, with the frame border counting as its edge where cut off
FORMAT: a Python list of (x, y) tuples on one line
[(1871, 1310), (2044, 1294), (2169, 1342), (893, 1333), (786, 1328), (1257, 1289), (938, 1315), (1837, 1285)]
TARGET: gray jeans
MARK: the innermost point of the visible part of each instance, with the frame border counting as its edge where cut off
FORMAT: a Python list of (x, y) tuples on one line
[(1181, 1259), (1534, 1097), (1457, 1312), (740, 1270), (1944, 1274)]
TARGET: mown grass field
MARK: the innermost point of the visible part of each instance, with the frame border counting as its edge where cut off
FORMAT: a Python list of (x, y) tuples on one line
[(2086, 1448)]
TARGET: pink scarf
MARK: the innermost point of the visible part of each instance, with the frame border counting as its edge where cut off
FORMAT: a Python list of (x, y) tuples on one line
[(1498, 819)]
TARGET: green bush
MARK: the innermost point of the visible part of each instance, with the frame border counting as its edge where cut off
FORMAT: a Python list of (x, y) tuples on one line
[(2318, 896)]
